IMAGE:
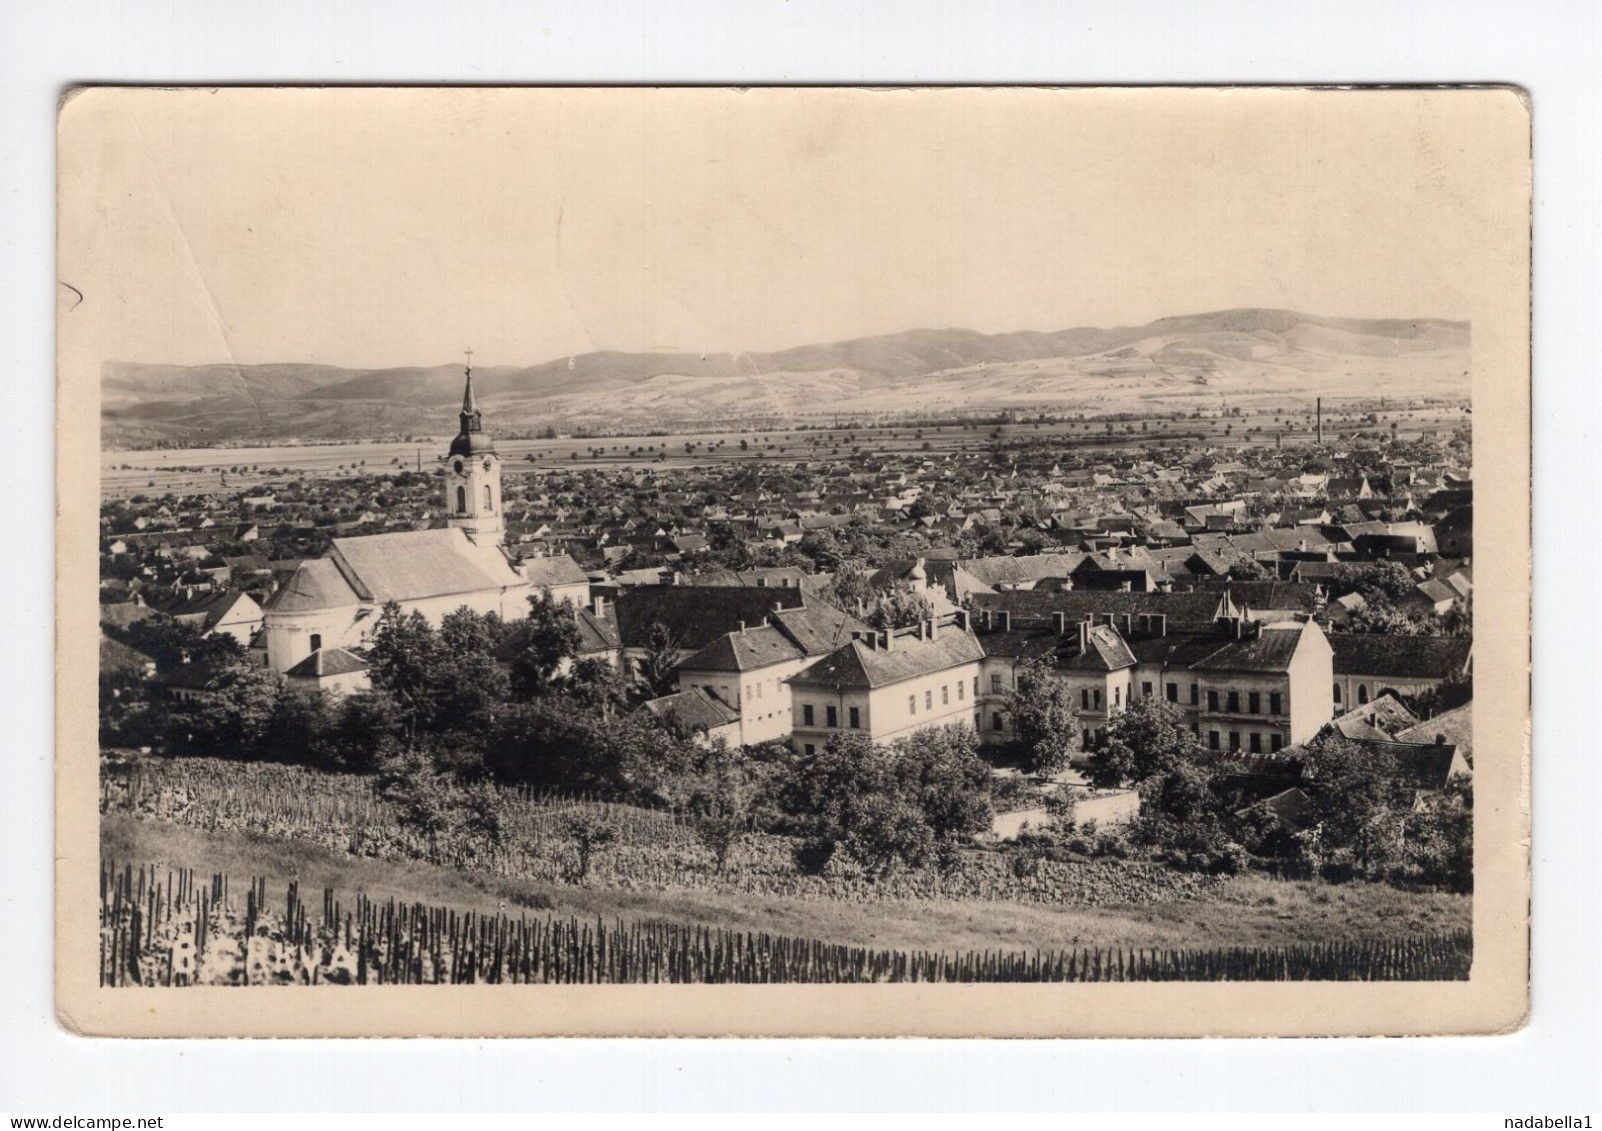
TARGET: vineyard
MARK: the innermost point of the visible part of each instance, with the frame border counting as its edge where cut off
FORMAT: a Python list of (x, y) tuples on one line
[(173, 929), (648, 849)]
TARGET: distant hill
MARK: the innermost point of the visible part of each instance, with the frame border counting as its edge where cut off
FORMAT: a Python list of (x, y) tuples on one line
[(1166, 363)]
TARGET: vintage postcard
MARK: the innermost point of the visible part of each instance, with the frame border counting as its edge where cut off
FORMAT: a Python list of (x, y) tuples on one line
[(780, 561)]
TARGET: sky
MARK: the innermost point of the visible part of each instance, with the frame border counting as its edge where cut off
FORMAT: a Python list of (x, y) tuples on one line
[(376, 228)]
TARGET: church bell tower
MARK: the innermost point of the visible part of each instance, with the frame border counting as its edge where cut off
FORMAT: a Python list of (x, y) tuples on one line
[(473, 473)]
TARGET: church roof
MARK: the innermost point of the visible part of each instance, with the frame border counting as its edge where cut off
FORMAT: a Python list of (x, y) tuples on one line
[(412, 564), (316, 583), (326, 662)]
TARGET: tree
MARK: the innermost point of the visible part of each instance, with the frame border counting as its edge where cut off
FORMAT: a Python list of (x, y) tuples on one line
[(595, 685), (406, 661), (658, 666), (173, 643), (850, 590), (589, 833), (1149, 737), (465, 632), (232, 716), (546, 640), (883, 808), (1044, 717), (900, 607)]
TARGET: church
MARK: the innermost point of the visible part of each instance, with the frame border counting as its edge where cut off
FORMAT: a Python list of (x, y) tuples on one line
[(330, 604)]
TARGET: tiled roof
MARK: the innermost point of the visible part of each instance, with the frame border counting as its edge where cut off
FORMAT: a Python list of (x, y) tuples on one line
[(559, 570), (696, 615), (817, 629), (316, 584), (695, 709), (1400, 657), (1269, 651), (327, 662), (1454, 727), (858, 666), (744, 651), (412, 564)]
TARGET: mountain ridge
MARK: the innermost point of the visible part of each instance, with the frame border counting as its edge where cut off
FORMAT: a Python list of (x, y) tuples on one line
[(1243, 351)]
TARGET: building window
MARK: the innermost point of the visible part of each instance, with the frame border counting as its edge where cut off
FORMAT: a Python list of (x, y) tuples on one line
[(945, 694), (1234, 741), (1095, 698), (489, 500), (831, 715), (1084, 698), (1212, 740), (1195, 694), (1084, 736), (1118, 694), (976, 687), (912, 704), (1173, 693), (1362, 693), (995, 683), (961, 688), (806, 714), (811, 750), (1257, 743), (928, 700), (316, 642), (856, 717), (1212, 700), (1275, 741), (1145, 688), (1255, 699), (1274, 703), (1337, 693), (995, 721), (1234, 702), (461, 500)]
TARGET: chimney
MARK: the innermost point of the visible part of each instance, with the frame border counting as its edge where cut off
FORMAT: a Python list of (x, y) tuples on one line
[(923, 627), (1059, 623), (1125, 585), (742, 628), (598, 604), (1004, 620), (934, 627), (960, 620), (887, 640), (1084, 636)]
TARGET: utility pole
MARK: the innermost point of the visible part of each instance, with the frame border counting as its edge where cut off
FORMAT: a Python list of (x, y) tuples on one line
[(1320, 411)]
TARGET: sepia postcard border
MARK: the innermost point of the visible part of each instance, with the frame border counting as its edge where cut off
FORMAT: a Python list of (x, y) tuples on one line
[(1496, 263)]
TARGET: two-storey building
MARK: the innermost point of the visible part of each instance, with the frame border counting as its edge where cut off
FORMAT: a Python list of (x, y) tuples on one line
[(887, 684)]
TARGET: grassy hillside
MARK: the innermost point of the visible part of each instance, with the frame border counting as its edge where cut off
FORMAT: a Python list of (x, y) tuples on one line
[(1246, 911), (1238, 352)]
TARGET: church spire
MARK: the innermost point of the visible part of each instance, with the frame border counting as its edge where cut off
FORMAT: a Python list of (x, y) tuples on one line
[(472, 419), (471, 439)]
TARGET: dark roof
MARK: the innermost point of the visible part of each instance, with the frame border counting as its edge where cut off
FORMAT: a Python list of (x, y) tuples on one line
[(1195, 608), (1270, 650), (597, 632), (817, 629), (1400, 657), (696, 615), (861, 667), (1455, 727), (744, 650), (695, 709)]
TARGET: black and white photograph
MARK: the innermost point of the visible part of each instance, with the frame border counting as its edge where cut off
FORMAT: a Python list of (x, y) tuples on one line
[(772, 539)]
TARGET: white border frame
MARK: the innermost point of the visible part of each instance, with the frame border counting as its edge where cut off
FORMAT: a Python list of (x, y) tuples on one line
[(1549, 1067)]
